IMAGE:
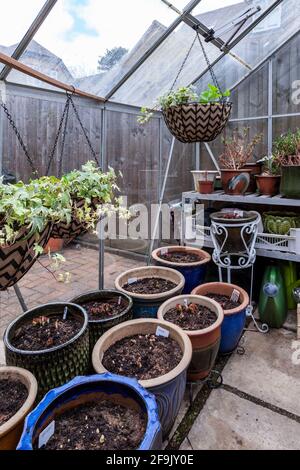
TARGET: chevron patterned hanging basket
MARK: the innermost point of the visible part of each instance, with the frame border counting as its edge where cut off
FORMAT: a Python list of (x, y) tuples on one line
[(18, 258), (74, 229), (197, 122)]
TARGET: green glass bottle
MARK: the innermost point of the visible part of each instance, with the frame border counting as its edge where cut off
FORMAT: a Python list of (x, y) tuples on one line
[(289, 271), (272, 305)]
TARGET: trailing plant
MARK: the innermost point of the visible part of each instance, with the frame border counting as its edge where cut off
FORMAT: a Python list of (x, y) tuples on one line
[(184, 95), (238, 149), (271, 165), (287, 148)]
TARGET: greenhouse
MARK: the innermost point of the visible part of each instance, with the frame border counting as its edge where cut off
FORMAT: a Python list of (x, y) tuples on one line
[(150, 226)]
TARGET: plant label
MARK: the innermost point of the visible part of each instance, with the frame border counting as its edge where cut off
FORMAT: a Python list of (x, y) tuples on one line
[(65, 313), (120, 300), (235, 296), (164, 251), (132, 280), (45, 435), (239, 213), (186, 303), (162, 332)]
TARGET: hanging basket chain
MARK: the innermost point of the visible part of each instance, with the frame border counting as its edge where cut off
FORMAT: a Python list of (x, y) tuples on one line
[(183, 64), (60, 162), (210, 67), (16, 131)]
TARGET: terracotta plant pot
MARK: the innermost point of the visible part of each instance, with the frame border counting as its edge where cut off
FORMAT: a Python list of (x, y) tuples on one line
[(98, 327), (126, 392), (255, 169), (57, 365), (234, 319), (235, 182), (194, 273), (201, 176), (11, 431), (268, 185), (146, 305), (54, 245), (205, 342), (206, 187), (169, 388)]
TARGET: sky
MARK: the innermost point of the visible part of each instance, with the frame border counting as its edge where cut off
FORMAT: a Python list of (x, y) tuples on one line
[(79, 31)]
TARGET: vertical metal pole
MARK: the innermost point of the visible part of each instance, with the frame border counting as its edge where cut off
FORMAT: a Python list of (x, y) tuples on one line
[(20, 298), (103, 166), (198, 153), (160, 169), (161, 198), (270, 106), (2, 97)]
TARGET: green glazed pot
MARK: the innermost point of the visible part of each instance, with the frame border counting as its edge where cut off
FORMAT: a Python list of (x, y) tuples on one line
[(280, 223), (290, 177), (272, 305)]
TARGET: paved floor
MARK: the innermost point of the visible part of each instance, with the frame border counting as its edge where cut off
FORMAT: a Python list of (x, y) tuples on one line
[(258, 406)]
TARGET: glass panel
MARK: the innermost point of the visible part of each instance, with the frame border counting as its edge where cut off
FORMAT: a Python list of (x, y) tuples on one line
[(284, 124), (286, 75)]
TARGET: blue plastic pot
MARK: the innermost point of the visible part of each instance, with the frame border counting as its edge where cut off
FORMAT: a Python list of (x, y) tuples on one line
[(234, 320), (147, 305), (109, 384), (194, 273)]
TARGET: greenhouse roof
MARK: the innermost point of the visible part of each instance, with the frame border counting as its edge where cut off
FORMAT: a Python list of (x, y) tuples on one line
[(66, 38)]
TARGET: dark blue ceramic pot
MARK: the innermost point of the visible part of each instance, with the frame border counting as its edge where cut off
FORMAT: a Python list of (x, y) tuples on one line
[(193, 272), (105, 384), (234, 319), (147, 305)]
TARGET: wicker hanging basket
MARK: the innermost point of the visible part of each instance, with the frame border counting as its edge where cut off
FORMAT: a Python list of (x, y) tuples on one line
[(197, 122), (18, 258), (76, 228)]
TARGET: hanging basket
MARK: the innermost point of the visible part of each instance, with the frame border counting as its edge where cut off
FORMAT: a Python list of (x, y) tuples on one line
[(196, 122), (18, 258), (76, 228)]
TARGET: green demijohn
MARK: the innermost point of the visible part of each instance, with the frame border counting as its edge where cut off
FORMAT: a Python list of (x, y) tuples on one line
[(272, 301)]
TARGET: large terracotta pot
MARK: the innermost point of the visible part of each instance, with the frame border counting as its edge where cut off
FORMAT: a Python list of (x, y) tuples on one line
[(11, 431), (194, 273), (121, 390), (146, 305), (169, 388), (255, 169), (205, 342), (234, 319), (268, 185), (235, 182)]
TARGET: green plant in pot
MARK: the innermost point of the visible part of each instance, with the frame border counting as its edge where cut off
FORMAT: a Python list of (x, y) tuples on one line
[(268, 182), (239, 149), (287, 147)]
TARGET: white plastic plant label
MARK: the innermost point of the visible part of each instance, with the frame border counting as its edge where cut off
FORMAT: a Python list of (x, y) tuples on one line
[(46, 435), (235, 296), (162, 332), (186, 303), (164, 251), (239, 213), (132, 280), (119, 300)]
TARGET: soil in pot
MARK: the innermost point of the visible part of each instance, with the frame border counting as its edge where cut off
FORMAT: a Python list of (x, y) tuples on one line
[(98, 426), (225, 301), (13, 395), (150, 285), (143, 357), (191, 317), (42, 333), (180, 257), (110, 307)]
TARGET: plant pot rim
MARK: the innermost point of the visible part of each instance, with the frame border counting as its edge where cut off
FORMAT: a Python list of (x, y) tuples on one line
[(114, 292), (8, 344), (198, 299), (210, 172), (240, 170), (150, 383), (206, 256), (241, 220), (32, 388), (211, 285), (193, 103), (147, 398), (135, 274), (267, 176)]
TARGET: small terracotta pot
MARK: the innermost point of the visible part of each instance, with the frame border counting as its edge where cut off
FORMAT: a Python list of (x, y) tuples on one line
[(146, 305), (169, 388), (206, 187), (194, 273), (235, 182), (205, 342), (234, 319), (10, 432), (268, 185), (54, 245)]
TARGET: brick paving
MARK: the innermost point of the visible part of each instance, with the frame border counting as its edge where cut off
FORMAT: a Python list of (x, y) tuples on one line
[(39, 286)]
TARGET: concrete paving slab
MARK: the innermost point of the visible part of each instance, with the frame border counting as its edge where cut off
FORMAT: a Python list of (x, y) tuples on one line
[(266, 370), (228, 422)]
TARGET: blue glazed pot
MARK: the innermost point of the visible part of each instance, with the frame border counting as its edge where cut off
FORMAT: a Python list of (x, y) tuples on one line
[(147, 305), (76, 389), (234, 320), (168, 389), (194, 273)]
